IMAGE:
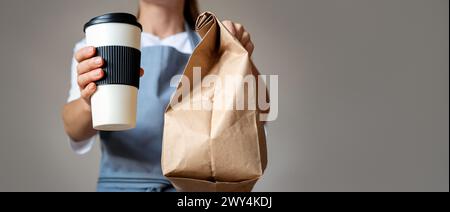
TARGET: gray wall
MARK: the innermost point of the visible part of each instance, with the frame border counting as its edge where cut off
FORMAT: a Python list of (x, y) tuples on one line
[(363, 92)]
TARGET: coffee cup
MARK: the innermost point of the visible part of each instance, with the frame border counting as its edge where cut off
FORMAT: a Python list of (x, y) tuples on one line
[(117, 39)]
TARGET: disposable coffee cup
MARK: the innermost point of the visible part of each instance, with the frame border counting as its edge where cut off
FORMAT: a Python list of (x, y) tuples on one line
[(117, 38)]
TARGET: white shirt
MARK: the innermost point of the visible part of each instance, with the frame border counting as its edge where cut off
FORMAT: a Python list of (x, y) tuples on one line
[(180, 41)]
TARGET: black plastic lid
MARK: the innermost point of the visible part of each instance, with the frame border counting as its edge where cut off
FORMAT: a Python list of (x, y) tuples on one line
[(125, 18)]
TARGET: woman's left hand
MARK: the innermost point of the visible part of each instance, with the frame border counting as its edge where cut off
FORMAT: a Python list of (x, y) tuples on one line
[(241, 34)]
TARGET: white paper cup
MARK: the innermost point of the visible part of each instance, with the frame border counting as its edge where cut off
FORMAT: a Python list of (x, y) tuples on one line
[(117, 37)]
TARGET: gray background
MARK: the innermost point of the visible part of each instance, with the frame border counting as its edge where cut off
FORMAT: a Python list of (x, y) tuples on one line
[(363, 92)]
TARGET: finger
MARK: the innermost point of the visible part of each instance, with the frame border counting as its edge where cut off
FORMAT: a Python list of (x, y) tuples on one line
[(87, 92), (141, 72), (89, 77), (245, 38), (89, 64), (250, 47), (239, 30), (229, 25), (84, 53)]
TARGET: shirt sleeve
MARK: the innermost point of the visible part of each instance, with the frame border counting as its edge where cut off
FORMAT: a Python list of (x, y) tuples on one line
[(80, 147)]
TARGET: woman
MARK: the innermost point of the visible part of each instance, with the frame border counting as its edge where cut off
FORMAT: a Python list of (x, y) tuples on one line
[(131, 159)]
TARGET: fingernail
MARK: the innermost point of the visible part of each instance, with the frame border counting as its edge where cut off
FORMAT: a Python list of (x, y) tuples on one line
[(98, 61), (99, 73)]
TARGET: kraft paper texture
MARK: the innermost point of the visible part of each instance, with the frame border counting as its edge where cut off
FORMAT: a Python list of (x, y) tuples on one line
[(213, 149)]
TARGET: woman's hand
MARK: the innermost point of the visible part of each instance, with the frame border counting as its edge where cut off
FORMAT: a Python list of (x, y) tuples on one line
[(241, 34), (89, 70)]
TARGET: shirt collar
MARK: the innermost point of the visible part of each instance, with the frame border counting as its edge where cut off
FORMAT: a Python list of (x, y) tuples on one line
[(180, 41)]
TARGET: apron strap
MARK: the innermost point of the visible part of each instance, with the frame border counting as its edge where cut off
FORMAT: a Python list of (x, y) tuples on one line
[(194, 36)]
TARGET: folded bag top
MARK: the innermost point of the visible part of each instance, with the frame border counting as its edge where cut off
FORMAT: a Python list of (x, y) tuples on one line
[(206, 145)]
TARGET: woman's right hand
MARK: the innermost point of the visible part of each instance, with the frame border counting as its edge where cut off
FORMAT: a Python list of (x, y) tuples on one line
[(89, 70)]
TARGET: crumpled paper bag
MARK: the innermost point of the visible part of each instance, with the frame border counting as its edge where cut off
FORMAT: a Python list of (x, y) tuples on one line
[(213, 149)]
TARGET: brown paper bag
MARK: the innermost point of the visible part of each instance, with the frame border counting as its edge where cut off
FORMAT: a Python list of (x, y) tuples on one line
[(213, 149)]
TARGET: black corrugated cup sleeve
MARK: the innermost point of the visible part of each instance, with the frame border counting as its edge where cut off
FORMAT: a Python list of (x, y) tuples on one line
[(122, 65)]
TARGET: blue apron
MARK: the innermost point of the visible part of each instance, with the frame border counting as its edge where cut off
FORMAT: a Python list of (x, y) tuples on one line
[(131, 160)]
